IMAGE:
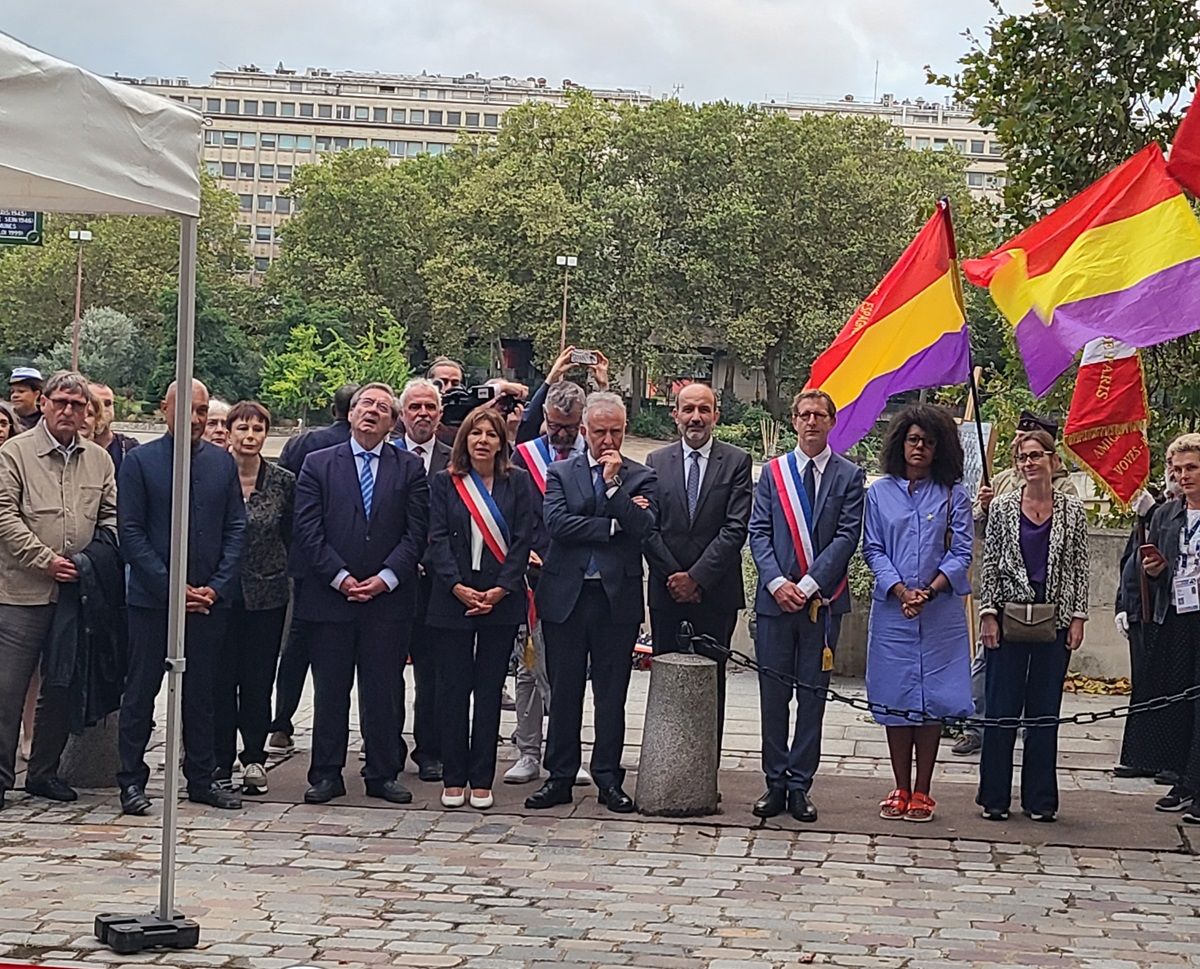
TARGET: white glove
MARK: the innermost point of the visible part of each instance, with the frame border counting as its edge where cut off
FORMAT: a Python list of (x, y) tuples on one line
[(1122, 622), (1142, 503)]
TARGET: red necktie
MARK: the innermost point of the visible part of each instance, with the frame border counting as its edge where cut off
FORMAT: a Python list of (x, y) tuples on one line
[(563, 453)]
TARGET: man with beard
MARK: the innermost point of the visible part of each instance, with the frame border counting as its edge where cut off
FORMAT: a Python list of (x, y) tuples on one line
[(705, 491), (116, 444)]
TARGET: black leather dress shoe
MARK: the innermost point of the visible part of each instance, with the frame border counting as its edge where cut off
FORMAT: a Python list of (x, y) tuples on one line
[(391, 791), (615, 799), (134, 801), (215, 796), (431, 771), (2, 792), (800, 807), (55, 789), (551, 794), (1122, 771), (325, 791), (771, 803)]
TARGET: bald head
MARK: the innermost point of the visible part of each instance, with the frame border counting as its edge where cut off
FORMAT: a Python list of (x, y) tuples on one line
[(696, 414), (199, 409)]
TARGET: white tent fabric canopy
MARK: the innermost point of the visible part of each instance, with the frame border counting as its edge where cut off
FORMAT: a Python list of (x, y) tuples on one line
[(74, 142)]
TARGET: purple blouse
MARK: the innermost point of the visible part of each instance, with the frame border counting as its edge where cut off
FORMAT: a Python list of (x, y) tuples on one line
[(1035, 548)]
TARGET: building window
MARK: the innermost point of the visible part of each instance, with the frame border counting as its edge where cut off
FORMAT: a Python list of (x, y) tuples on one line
[(266, 172), (306, 110), (994, 148), (195, 103), (266, 203), (922, 143), (287, 142), (435, 117), (212, 105), (396, 149), (261, 264), (416, 117), (212, 137), (398, 115), (323, 143), (229, 169), (324, 110), (249, 107), (229, 139), (379, 143), (358, 142), (491, 121), (284, 173), (343, 112), (212, 167), (976, 146), (283, 205), (415, 148), (231, 106), (249, 140), (362, 113), (246, 170), (960, 145), (268, 109), (454, 118), (287, 109), (472, 119), (423, 93), (341, 144), (379, 115), (940, 144), (245, 202), (303, 142), (267, 140), (435, 148), (262, 233), (975, 179)]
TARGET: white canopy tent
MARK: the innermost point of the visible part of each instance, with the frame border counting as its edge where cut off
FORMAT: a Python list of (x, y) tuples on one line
[(74, 142)]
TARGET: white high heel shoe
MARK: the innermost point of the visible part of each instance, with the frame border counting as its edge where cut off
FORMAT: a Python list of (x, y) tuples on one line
[(453, 800), (482, 803)]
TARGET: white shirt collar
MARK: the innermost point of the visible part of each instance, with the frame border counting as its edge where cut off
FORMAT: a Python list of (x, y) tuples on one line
[(576, 448), (821, 460), (356, 449), (65, 449), (412, 445), (705, 451), (592, 462)]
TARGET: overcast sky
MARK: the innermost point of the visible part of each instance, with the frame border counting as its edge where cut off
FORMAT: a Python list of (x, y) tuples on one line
[(743, 50)]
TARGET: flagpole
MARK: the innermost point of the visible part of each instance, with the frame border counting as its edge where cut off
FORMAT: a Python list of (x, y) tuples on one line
[(944, 205)]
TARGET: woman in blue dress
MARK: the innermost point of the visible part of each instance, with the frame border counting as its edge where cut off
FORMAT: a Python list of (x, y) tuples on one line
[(918, 541)]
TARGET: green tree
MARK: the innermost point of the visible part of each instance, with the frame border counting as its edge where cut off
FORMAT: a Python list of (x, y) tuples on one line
[(112, 349)]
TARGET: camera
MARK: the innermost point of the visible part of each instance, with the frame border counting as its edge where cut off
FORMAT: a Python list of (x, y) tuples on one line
[(458, 402), (587, 358)]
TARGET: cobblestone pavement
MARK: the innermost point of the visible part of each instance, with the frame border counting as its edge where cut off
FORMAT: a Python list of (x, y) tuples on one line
[(280, 885)]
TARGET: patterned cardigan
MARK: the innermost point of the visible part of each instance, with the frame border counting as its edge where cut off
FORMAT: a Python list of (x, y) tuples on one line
[(1003, 577), (268, 535)]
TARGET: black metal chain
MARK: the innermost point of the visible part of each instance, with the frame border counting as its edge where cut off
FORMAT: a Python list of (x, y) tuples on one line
[(713, 649)]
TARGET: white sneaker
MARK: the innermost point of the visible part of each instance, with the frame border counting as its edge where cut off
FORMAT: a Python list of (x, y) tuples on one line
[(526, 769), (254, 779), (453, 800), (583, 778), (482, 802)]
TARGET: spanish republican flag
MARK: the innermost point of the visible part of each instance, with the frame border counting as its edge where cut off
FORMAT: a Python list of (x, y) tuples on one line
[(1119, 260), (1106, 426), (910, 333)]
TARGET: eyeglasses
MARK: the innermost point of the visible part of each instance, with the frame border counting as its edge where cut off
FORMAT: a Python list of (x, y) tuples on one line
[(383, 406), (1029, 457), (65, 403), (916, 440), (812, 415), (554, 427)]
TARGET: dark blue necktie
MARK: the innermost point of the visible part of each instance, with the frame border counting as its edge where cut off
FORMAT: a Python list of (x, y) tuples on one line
[(598, 486), (366, 481), (693, 484)]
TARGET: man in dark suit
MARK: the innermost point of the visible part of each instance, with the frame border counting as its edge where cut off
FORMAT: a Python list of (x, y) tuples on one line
[(705, 490), (216, 528), (802, 594), (599, 508), (362, 511), (421, 412), (293, 662)]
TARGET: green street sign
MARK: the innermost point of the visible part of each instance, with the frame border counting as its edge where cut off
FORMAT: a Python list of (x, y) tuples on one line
[(20, 228)]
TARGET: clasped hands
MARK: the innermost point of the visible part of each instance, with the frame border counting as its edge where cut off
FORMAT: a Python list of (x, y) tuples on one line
[(364, 591), (683, 588), (912, 601), (478, 603), (200, 599)]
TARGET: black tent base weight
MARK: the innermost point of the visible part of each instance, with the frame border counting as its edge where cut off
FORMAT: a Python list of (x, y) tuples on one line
[(127, 934)]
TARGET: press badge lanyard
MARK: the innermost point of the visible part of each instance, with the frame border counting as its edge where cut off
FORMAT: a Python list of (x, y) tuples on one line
[(1186, 587)]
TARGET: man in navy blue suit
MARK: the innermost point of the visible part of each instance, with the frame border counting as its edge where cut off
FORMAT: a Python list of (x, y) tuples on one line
[(802, 594), (293, 663), (216, 527), (599, 508), (362, 513)]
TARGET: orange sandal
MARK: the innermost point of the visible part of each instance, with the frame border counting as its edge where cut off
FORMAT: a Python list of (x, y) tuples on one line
[(894, 806), (920, 808)]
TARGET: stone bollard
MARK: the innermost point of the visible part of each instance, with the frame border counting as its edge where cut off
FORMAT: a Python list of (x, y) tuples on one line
[(90, 760), (677, 771)]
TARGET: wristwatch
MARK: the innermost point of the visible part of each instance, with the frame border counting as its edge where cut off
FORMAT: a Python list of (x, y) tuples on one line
[(614, 483), (931, 592)]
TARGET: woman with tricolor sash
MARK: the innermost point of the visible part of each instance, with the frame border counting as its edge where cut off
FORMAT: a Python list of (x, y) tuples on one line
[(918, 539), (481, 521)]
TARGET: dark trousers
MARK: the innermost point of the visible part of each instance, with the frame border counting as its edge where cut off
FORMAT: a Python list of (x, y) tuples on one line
[(427, 643), (471, 666), (147, 656), (589, 633), (792, 644), (22, 637), (242, 690), (719, 624), (1023, 679), (293, 671), (376, 650)]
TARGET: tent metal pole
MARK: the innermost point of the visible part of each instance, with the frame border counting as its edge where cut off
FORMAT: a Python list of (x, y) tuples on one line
[(177, 590)]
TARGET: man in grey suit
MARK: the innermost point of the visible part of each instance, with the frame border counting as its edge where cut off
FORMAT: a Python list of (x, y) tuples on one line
[(805, 526), (705, 490)]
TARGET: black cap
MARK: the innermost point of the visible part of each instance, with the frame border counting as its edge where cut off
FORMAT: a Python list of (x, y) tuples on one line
[(1029, 421)]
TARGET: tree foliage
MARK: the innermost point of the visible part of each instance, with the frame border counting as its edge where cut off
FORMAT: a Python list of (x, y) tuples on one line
[(112, 350)]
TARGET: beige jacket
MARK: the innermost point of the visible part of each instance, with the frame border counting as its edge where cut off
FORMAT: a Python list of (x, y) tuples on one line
[(49, 505)]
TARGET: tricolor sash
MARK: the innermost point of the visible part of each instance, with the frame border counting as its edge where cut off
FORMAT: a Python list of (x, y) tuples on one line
[(484, 512), (789, 486), (536, 454)]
